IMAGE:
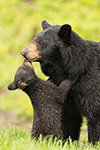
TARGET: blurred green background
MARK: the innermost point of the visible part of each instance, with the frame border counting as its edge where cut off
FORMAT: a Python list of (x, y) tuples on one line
[(20, 21)]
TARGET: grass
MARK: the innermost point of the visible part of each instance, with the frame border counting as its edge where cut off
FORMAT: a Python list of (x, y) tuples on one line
[(14, 139)]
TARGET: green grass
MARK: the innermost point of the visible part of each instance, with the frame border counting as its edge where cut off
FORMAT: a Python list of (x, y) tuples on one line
[(14, 139)]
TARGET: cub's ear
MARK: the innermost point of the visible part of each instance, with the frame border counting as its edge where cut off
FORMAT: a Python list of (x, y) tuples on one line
[(12, 86), (65, 33), (22, 85), (45, 24)]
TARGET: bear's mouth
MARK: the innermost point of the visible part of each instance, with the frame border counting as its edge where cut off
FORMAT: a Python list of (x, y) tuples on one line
[(37, 58)]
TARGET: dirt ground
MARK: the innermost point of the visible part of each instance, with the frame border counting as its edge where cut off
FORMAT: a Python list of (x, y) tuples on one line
[(8, 119)]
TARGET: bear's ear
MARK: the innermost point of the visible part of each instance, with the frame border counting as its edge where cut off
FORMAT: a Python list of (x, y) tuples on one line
[(45, 24), (65, 33)]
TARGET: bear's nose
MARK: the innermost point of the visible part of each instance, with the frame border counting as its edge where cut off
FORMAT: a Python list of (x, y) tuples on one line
[(23, 52)]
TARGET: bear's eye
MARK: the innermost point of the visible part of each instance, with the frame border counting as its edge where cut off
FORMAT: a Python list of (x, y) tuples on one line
[(38, 40)]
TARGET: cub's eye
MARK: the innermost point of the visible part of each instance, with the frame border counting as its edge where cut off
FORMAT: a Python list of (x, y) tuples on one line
[(19, 83)]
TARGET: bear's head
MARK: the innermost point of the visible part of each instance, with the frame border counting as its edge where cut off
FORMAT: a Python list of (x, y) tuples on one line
[(48, 47), (23, 77), (51, 39)]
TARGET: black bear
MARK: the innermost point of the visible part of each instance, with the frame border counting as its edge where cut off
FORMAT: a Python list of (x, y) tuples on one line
[(63, 54), (48, 103)]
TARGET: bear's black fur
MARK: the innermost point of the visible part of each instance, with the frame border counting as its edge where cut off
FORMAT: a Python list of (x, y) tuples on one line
[(63, 54), (48, 102)]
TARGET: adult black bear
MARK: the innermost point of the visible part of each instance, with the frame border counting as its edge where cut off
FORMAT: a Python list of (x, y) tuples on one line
[(48, 103), (63, 54)]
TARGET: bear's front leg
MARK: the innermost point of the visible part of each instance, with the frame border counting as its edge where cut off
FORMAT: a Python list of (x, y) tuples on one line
[(94, 129)]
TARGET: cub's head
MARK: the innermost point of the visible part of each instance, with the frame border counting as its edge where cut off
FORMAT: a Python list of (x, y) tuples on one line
[(23, 77)]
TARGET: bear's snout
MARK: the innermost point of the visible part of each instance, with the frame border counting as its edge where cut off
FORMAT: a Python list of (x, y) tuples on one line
[(11, 86), (31, 53)]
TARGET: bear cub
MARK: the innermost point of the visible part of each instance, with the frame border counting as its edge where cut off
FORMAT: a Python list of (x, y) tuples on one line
[(47, 100)]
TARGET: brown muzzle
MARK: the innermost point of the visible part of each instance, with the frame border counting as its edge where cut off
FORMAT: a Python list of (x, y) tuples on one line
[(31, 52)]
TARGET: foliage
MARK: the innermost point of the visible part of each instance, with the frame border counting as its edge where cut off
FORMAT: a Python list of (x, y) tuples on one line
[(14, 139)]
